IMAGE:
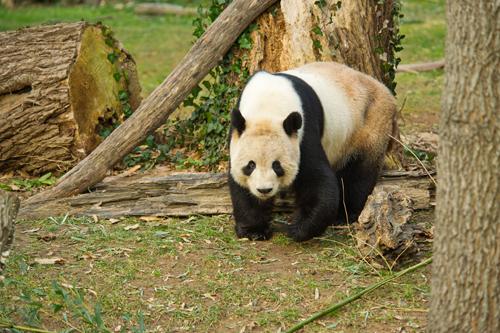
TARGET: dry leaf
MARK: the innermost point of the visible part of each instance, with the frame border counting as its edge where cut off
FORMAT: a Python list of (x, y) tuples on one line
[(14, 187), (316, 294), (150, 218), (30, 231), (133, 170), (114, 221), (49, 261), (47, 237), (132, 227)]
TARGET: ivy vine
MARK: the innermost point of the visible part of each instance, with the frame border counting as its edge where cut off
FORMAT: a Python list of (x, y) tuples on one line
[(204, 134), (390, 62)]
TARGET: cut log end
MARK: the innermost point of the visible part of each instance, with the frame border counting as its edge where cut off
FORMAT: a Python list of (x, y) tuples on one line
[(65, 84)]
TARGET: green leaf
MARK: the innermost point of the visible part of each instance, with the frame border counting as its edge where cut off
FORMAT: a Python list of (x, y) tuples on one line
[(317, 30), (112, 57), (117, 76)]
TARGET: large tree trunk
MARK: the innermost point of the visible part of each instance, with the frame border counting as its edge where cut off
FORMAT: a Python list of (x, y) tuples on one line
[(152, 113), (357, 33), (9, 204), (58, 90), (466, 268)]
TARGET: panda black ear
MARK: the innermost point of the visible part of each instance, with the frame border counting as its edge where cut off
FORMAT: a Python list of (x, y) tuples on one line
[(292, 123), (237, 121)]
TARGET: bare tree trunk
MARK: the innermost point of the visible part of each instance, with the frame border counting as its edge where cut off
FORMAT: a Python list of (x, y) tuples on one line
[(466, 268), (9, 204), (356, 33), (203, 56), (58, 90)]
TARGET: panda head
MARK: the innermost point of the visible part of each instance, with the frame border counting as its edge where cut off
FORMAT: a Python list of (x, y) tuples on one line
[(265, 153)]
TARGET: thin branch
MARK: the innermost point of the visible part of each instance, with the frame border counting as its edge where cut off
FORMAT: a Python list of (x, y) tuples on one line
[(4, 324), (354, 297)]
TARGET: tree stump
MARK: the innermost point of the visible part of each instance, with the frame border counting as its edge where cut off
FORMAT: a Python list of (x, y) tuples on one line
[(383, 231), (9, 204), (60, 87)]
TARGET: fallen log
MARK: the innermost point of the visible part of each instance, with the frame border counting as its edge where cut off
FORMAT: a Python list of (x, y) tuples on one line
[(184, 194), (9, 204), (154, 110), (148, 8), (420, 67), (58, 91)]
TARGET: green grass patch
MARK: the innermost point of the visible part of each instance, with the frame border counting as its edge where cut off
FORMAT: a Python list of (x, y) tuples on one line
[(189, 274), (424, 27)]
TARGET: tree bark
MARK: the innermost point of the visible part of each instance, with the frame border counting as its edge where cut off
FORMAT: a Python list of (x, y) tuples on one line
[(9, 204), (57, 91), (299, 32), (185, 194), (466, 267), (203, 56)]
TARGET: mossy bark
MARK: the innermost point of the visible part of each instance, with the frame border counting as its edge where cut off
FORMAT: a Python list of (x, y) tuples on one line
[(58, 90)]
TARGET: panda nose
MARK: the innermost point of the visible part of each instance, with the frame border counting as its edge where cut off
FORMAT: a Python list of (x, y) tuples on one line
[(265, 190)]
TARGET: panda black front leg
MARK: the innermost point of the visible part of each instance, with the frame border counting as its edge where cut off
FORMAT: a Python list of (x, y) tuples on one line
[(252, 216), (317, 200)]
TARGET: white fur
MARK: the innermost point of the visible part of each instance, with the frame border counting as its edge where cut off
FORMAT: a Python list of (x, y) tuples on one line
[(262, 100), (339, 123)]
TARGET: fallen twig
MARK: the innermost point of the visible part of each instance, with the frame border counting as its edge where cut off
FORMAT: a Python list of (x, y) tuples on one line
[(357, 295), (4, 324)]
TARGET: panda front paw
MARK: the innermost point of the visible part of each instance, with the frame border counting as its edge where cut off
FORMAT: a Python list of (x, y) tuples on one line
[(298, 233), (260, 234)]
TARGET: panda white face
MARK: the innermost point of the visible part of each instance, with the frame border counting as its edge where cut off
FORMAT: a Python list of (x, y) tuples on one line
[(264, 157)]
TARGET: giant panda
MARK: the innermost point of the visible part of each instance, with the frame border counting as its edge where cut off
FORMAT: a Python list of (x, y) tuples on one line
[(320, 130)]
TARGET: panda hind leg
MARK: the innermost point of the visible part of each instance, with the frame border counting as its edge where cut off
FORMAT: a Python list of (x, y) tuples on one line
[(252, 216), (356, 180)]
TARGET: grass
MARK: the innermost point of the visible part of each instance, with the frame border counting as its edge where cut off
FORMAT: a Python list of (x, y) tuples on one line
[(424, 27), (192, 274)]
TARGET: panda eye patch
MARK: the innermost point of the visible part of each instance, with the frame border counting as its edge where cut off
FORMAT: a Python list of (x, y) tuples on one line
[(249, 168), (278, 169)]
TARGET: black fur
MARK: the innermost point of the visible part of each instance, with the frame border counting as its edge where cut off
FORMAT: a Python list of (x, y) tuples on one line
[(359, 177), (253, 216), (237, 121), (316, 187), (292, 123)]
